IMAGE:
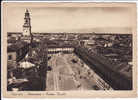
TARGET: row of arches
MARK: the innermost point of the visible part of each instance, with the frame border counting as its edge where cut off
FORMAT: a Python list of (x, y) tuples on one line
[(57, 50)]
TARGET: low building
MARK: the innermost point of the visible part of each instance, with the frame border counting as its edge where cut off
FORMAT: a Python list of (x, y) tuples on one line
[(17, 51), (14, 35)]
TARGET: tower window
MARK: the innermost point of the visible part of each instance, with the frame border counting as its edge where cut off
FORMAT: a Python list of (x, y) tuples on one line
[(9, 57)]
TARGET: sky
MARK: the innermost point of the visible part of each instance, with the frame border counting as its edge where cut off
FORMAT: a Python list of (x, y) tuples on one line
[(70, 19)]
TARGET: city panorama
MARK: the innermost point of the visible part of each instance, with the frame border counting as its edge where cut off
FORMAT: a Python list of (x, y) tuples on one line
[(68, 61)]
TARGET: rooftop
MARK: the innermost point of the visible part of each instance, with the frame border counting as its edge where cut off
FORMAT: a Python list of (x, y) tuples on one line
[(16, 46)]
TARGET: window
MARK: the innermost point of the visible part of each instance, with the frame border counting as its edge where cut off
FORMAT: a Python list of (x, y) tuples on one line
[(10, 57)]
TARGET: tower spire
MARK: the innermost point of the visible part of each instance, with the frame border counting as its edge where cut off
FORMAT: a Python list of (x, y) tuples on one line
[(27, 11), (27, 24)]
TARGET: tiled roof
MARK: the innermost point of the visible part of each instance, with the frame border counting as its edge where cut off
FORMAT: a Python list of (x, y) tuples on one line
[(15, 33), (16, 46)]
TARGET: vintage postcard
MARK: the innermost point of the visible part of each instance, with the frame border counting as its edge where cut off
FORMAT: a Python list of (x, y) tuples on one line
[(68, 50)]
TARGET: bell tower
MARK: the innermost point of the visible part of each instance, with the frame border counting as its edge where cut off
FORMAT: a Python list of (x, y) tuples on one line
[(27, 24)]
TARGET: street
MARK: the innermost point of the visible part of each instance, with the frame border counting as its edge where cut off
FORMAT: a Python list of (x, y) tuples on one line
[(66, 75), (60, 74)]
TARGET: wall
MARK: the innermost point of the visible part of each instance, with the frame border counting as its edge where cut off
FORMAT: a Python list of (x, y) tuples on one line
[(13, 54)]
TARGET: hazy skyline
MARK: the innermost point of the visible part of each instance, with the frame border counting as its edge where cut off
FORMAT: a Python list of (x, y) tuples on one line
[(71, 19)]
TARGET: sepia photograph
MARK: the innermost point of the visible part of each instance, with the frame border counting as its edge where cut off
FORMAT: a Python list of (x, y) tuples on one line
[(51, 47)]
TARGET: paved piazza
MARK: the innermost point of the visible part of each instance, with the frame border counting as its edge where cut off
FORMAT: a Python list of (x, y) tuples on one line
[(67, 75)]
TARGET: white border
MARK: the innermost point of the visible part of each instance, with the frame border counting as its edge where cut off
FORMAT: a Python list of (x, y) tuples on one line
[(133, 1)]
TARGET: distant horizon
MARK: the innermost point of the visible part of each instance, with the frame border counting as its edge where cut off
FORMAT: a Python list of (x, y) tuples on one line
[(99, 30), (74, 32)]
